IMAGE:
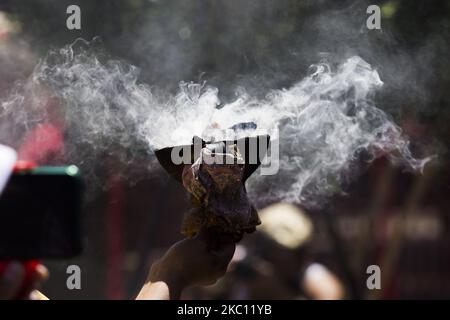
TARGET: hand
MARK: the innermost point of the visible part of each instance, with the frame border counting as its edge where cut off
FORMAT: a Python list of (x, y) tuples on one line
[(187, 263), (12, 279)]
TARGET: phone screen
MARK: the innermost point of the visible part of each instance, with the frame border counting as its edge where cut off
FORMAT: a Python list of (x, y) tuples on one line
[(40, 214)]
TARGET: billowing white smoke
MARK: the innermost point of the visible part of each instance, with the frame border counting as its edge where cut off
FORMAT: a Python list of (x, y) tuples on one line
[(326, 121)]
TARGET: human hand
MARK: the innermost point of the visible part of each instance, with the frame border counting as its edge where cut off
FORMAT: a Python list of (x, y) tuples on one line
[(12, 281), (187, 263)]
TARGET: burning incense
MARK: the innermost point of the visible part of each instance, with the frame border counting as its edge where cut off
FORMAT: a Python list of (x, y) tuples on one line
[(215, 179)]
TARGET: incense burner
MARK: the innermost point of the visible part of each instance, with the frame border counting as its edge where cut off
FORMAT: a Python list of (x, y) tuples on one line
[(214, 174)]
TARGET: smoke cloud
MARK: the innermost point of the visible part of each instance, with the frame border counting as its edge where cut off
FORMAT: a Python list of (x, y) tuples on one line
[(327, 121)]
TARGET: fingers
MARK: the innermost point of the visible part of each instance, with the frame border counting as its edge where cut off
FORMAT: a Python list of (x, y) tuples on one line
[(216, 239), (220, 245), (222, 258), (37, 295), (227, 251), (40, 275), (229, 238), (195, 262), (11, 280)]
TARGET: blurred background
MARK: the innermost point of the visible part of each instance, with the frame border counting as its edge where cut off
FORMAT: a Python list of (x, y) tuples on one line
[(387, 217)]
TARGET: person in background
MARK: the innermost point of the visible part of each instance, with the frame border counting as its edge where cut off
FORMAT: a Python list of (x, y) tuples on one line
[(290, 228), (276, 263)]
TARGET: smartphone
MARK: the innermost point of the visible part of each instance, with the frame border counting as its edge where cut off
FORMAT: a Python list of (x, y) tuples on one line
[(40, 211)]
